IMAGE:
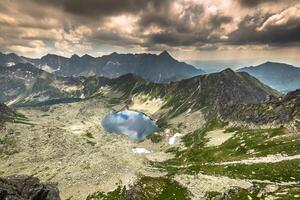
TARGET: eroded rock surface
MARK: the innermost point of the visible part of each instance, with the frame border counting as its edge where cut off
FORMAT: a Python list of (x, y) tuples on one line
[(27, 188)]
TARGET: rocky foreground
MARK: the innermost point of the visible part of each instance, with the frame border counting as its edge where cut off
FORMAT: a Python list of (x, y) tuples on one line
[(26, 187)]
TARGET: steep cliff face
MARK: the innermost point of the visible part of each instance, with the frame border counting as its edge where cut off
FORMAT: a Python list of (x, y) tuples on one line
[(25, 187)]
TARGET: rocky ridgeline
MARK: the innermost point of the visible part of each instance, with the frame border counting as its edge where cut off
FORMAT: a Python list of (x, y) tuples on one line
[(26, 187), (212, 92), (276, 110), (155, 68)]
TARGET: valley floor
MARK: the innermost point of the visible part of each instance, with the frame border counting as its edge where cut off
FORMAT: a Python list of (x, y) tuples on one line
[(65, 143)]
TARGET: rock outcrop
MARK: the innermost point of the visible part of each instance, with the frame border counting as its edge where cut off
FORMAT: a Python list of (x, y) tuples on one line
[(27, 188), (281, 110)]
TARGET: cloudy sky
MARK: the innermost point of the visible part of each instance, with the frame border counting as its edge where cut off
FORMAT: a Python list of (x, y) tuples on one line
[(189, 29)]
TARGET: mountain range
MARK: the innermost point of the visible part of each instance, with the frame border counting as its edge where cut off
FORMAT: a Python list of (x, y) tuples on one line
[(280, 76), (48, 121), (24, 84), (231, 95), (160, 68), (155, 68)]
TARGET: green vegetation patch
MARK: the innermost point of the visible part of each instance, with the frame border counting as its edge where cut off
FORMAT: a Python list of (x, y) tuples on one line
[(8, 145), (246, 143), (155, 137), (117, 194), (285, 171), (146, 188)]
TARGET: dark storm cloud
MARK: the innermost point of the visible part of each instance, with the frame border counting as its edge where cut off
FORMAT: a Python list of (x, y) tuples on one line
[(181, 34), (253, 3), (91, 8), (107, 37), (165, 19), (218, 20), (265, 29), (171, 39), (69, 25)]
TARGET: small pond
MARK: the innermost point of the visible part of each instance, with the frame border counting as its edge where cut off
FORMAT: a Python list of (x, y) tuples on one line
[(136, 125)]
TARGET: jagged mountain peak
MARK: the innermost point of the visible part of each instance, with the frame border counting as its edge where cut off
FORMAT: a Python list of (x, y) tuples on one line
[(152, 67), (228, 70), (12, 54), (75, 56), (49, 55), (87, 56), (114, 54), (165, 54)]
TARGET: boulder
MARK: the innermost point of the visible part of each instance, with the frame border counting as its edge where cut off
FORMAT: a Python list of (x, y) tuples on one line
[(27, 188)]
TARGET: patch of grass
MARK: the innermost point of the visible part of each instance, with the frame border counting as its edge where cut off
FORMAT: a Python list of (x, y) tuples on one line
[(115, 101), (89, 135), (285, 171), (146, 188), (242, 194), (23, 122), (162, 189), (211, 195), (8, 145), (246, 143), (117, 194), (233, 129), (155, 138), (196, 138), (91, 142)]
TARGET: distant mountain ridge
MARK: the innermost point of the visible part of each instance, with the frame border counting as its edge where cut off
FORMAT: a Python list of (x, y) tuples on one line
[(152, 67), (231, 95), (280, 76), (212, 92), (24, 82)]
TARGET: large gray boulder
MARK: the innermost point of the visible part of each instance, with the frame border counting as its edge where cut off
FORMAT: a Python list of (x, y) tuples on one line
[(27, 188)]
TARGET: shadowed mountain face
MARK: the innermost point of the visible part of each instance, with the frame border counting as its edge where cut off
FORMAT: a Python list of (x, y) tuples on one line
[(280, 76), (5, 113), (23, 83), (10, 59), (155, 68), (212, 91), (276, 110)]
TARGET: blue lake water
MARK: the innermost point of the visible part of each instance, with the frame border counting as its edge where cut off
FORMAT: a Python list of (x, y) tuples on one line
[(136, 125)]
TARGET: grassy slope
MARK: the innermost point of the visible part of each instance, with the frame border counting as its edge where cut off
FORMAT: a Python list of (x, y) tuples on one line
[(246, 143), (146, 188)]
